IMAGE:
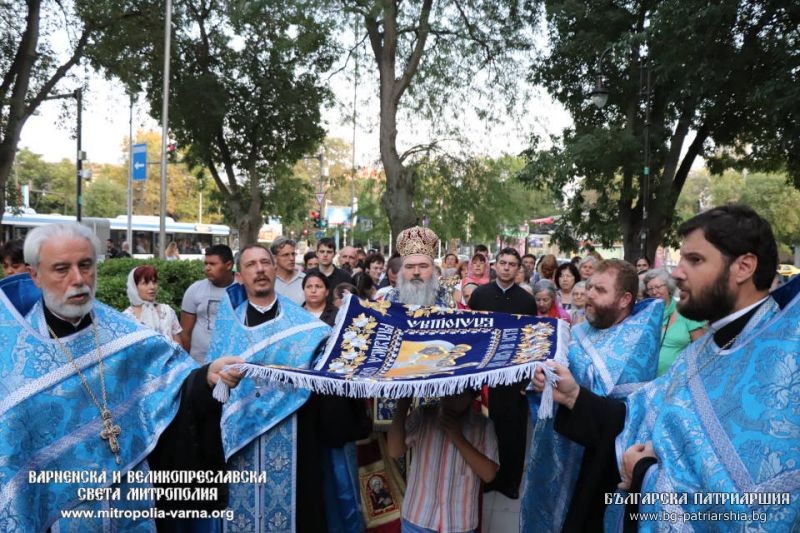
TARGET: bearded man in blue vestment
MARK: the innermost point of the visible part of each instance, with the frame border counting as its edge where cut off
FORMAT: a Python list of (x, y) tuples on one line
[(280, 432), (715, 441), (87, 390), (613, 353)]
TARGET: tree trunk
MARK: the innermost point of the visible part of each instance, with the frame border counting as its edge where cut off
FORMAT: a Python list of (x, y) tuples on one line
[(631, 239), (250, 220), (18, 111), (248, 229), (398, 198)]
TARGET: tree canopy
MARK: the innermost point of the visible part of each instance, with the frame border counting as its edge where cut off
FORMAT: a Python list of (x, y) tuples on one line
[(463, 200), (42, 41), (245, 95), (52, 187), (723, 87), (429, 56), (475, 199), (767, 193)]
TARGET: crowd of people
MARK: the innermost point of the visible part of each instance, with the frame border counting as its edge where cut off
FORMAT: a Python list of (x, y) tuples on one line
[(681, 382)]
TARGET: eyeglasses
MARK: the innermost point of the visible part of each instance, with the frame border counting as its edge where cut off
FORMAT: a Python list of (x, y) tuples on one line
[(656, 288)]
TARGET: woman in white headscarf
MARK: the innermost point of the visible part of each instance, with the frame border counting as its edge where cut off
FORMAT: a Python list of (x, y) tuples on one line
[(142, 289)]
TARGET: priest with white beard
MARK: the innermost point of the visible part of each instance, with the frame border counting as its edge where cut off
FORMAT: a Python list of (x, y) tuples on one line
[(417, 283)]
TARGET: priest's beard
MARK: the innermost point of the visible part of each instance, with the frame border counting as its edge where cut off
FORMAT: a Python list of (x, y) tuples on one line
[(710, 303), (602, 317), (416, 291), (61, 306)]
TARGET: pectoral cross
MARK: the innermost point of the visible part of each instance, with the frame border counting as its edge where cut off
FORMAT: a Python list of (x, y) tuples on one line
[(110, 432)]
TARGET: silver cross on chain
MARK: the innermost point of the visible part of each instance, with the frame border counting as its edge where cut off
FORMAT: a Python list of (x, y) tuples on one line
[(110, 432)]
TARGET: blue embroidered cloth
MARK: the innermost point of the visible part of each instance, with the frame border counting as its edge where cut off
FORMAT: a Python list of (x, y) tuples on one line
[(725, 422), (50, 423), (21, 291), (385, 349), (258, 426), (610, 362)]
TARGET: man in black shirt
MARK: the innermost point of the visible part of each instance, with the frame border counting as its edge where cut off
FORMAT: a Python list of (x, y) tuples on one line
[(508, 407), (326, 249)]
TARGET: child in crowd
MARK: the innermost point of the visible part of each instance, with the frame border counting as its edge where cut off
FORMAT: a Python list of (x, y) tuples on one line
[(339, 293), (453, 448), (11, 254)]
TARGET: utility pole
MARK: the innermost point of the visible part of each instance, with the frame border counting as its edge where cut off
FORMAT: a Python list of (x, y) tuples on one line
[(129, 231), (353, 200), (162, 212), (80, 157), (77, 94)]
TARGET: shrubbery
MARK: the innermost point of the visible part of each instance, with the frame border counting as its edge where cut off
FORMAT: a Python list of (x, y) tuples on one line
[(174, 277)]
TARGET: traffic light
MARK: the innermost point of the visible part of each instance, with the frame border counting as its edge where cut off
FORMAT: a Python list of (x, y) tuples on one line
[(323, 223), (172, 152), (314, 215)]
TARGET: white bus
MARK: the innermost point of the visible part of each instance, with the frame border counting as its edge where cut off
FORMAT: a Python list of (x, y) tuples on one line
[(191, 238)]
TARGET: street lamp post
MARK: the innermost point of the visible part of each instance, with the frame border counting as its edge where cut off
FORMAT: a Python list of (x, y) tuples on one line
[(77, 94), (599, 96), (646, 92), (129, 229), (323, 178), (162, 212)]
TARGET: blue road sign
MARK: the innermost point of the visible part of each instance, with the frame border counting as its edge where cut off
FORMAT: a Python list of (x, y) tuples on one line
[(139, 162), (319, 234)]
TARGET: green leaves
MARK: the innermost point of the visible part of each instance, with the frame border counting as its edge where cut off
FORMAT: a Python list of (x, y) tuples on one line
[(246, 90), (174, 277), (723, 86), (474, 198)]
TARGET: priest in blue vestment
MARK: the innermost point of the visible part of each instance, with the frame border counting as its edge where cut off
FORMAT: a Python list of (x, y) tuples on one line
[(86, 393), (613, 353), (282, 432), (720, 431)]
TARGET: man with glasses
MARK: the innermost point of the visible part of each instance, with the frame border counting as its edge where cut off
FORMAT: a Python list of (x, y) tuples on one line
[(288, 280), (508, 408)]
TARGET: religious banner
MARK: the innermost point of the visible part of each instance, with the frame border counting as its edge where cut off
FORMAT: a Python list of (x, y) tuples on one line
[(391, 350)]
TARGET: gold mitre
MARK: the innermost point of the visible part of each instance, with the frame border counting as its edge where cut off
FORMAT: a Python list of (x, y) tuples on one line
[(417, 240)]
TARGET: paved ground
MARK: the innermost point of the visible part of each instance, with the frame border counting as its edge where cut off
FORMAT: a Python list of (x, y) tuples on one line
[(500, 514)]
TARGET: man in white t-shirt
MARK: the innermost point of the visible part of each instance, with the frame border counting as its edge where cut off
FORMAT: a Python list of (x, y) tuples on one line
[(288, 281), (201, 301)]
